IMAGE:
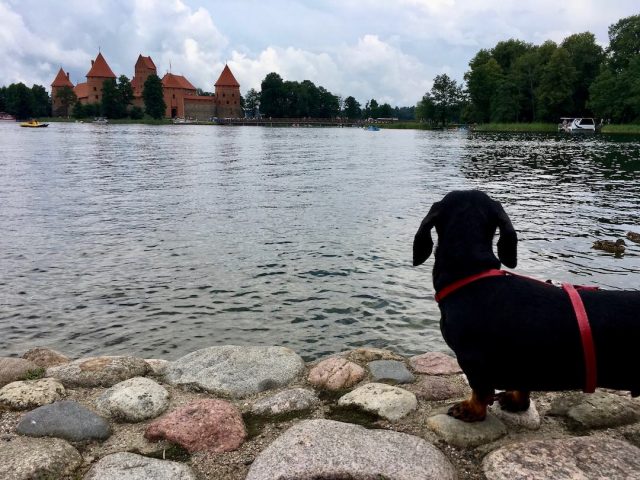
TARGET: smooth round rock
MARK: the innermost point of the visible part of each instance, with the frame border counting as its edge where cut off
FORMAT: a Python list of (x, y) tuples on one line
[(603, 410), (435, 363), (335, 374), (287, 401), (99, 371), (31, 393), (384, 400), (564, 459), (45, 357), (315, 449), (390, 371), (134, 400), (529, 419), (129, 466), (14, 369), (435, 387), (64, 419), (236, 372), (201, 426), (24, 458), (462, 434)]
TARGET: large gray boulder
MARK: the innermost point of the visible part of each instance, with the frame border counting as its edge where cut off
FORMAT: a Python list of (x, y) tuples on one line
[(129, 466), (133, 400), (565, 459), (462, 434), (596, 410), (314, 449), (24, 458), (236, 372)]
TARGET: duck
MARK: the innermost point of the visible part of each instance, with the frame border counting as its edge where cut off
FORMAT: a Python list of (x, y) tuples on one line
[(617, 247), (633, 236)]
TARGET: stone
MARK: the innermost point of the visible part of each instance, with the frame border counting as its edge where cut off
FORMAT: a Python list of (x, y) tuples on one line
[(129, 466), (366, 355), (529, 419), (31, 393), (13, 369), (335, 374), (24, 458), (202, 426), (435, 363), (434, 387), (65, 419), (315, 449), (287, 401), (158, 367), (99, 371), (390, 371), (236, 372), (134, 400), (597, 410), (564, 459), (45, 357), (462, 434), (384, 400)]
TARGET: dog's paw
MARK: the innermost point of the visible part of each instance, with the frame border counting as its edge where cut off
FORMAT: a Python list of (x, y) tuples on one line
[(514, 401), (467, 412)]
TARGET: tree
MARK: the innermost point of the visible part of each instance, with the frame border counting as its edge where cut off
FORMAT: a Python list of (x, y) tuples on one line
[(352, 108), (371, 109), (19, 100), (586, 57), (482, 82), (124, 96), (153, 97), (41, 101), (447, 98), (67, 97), (252, 102), (385, 111), (555, 92), (426, 109), (624, 42), (109, 105), (273, 98)]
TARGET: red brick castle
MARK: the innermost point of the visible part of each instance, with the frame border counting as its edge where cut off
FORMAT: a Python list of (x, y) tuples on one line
[(179, 94)]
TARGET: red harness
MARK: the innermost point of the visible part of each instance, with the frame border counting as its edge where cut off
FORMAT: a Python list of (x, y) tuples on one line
[(578, 308)]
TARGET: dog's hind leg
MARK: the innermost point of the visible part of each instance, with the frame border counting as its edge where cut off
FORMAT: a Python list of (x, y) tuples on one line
[(514, 400), (474, 409)]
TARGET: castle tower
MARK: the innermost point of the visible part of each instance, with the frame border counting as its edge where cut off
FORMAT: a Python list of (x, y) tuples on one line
[(99, 72), (144, 67), (57, 106), (228, 95)]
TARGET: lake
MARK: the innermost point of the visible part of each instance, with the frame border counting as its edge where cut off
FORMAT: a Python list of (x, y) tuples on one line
[(160, 240)]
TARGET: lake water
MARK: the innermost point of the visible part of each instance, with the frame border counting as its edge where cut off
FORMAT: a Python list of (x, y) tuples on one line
[(158, 241)]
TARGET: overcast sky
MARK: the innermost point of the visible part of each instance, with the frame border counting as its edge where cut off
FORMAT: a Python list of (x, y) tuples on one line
[(382, 49)]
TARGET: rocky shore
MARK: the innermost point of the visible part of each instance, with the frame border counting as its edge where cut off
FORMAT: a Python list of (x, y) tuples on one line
[(261, 413)]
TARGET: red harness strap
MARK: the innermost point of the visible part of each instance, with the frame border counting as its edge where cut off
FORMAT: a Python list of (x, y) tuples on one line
[(588, 346)]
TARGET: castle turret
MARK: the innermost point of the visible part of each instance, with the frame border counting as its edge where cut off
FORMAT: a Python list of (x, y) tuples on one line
[(228, 95), (99, 72), (59, 107)]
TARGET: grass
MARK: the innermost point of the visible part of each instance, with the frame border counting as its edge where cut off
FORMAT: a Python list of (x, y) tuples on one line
[(629, 129), (34, 374)]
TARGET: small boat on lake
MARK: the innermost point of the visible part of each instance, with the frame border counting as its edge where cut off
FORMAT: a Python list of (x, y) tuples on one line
[(34, 124), (5, 117), (372, 128), (579, 125), (100, 120)]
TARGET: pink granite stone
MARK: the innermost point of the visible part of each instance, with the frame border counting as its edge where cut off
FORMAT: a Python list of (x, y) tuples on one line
[(435, 363), (202, 426), (335, 374)]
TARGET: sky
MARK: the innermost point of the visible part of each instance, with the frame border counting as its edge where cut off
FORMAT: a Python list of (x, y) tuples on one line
[(387, 50)]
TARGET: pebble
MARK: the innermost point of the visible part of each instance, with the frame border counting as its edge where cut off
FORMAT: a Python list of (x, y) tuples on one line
[(29, 394), (335, 374), (384, 400), (564, 459), (236, 372), (314, 449), (287, 401), (24, 458), (129, 466), (201, 426), (466, 434), (390, 371), (14, 369), (65, 419), (99, 371), (435, 363), (134, 400)]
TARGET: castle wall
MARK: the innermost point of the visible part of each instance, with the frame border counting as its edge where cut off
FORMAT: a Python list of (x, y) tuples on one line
[(200, 108), (228, 102)]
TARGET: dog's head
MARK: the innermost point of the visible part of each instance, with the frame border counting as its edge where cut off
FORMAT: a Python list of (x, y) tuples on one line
[(466, 222)]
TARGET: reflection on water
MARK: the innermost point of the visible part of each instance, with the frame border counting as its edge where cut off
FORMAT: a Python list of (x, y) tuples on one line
[(161, 240)]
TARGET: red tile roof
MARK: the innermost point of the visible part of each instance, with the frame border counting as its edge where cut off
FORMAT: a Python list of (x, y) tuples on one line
[(146, 62), (100, 68), (81, 90), (62, 80), (176, 81), (227, 79)]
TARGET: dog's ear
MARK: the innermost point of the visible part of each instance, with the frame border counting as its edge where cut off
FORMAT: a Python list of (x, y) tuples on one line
[(508, 242), (422, 243)]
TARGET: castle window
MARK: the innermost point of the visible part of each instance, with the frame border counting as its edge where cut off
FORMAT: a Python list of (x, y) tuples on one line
[(233, 94), (96, 97), (174, 95), (227, 102), (95, 89), (223, 94)]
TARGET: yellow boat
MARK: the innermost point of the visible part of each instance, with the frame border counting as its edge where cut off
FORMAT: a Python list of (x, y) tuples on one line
[(34, 124)]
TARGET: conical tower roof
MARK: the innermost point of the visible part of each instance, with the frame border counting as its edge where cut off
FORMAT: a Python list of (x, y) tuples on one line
[(100, 68), (62, 80), (227, 79)]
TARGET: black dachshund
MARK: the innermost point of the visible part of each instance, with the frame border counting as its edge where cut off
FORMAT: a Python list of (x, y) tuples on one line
[(514, 333)]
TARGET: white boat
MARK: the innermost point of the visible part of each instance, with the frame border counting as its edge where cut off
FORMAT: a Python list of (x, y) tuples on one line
[(578, 124), (100, 120)]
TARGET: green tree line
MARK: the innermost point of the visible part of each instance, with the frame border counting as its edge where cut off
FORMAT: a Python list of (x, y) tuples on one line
[(23, 102)]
